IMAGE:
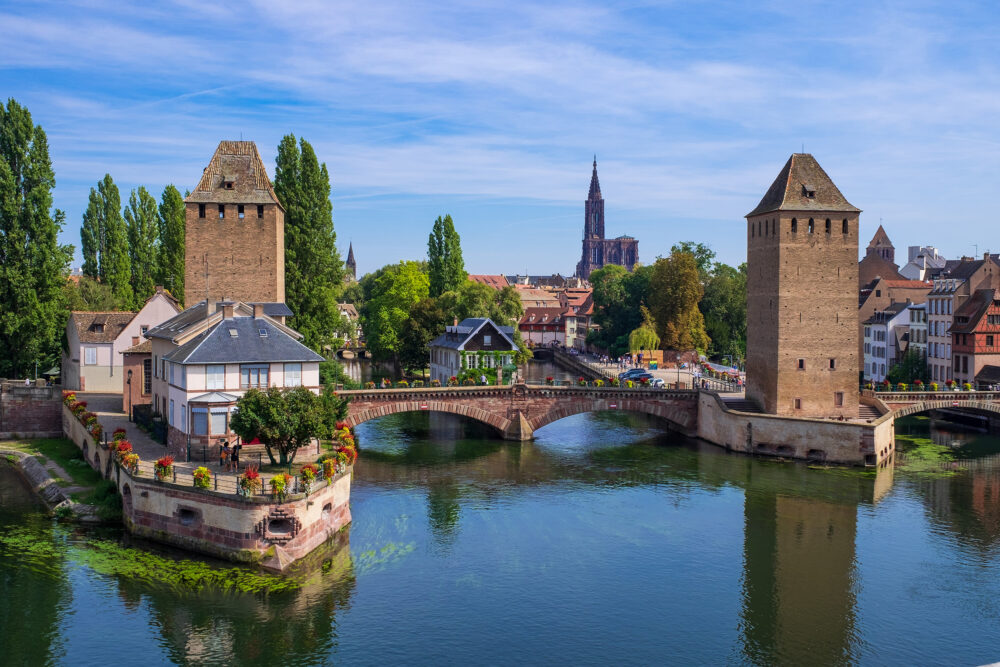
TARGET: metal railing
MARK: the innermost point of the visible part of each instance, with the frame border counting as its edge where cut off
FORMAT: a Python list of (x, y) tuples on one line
[(220, 483)]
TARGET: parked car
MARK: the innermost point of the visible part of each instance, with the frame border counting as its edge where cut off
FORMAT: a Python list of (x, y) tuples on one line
[(632, 374)]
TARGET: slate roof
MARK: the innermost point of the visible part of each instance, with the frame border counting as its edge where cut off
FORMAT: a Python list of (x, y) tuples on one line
[(237, 162), (800, 176), (972, 311), (989, 375), (274, 308), (887, 313), (466, 329), (99, 327), (219, 346)]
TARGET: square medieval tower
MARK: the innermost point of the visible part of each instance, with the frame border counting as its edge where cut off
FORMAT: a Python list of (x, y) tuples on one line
[(235, 230), (802, 296)]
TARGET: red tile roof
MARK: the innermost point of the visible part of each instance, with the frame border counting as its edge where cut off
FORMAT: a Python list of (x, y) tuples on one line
[(495, 281)]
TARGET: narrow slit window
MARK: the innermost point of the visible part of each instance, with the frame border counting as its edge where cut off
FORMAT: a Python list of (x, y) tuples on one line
[(828, 225), (201, 210), (260, 210), (795, 225), (844, 224), (802, 364), (240, 214), (812, 226), (222, 211)]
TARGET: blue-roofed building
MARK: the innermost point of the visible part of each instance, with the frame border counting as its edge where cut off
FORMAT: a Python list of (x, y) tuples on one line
[(210, 354), (473, 343)]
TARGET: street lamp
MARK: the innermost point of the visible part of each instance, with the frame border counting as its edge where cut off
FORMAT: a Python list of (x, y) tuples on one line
[(129, 383)]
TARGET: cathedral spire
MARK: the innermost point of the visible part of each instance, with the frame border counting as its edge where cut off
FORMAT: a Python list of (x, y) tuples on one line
[(352, 268), (595, 185)]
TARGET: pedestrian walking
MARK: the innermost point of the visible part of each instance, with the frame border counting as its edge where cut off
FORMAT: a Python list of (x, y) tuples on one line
[(226, 455), (235, 457), (223, 454)]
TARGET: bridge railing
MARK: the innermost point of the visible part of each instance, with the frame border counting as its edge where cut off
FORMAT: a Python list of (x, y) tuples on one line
[(920, 396)]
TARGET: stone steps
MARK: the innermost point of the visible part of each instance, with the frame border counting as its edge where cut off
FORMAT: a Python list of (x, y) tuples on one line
[(868, 412), (742, 405)]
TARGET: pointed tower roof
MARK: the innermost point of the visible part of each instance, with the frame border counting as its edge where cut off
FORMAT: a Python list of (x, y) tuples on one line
[(595, 185), (350, 253), (236, 175), (880, 239), (802, 185)]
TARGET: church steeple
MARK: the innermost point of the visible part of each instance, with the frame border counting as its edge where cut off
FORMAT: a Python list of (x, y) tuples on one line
[(352, 268), (595, 185)]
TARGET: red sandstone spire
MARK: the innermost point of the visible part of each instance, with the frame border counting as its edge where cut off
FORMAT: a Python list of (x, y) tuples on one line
[(595, 185)]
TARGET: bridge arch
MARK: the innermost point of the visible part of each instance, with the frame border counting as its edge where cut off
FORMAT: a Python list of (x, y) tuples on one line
[(678, 418), (495, 421), (968, 405)]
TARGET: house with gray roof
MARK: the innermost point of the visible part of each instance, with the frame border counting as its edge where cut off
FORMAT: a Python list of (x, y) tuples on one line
[(209, 355), (473, 343)]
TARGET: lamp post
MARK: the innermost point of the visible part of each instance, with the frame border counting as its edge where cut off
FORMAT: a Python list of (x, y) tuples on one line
[(129, 383)]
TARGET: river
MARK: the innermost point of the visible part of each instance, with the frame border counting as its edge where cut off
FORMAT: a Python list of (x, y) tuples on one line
[(605, 541)]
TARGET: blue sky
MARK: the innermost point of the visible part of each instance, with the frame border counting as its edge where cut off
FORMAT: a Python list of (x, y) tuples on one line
[(492, 111)]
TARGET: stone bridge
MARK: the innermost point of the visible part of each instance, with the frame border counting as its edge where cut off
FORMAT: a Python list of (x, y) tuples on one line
[(517, 412), (903, 403)]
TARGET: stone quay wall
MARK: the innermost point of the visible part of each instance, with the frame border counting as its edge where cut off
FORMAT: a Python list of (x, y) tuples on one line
[(29, 412), (824, 440), (254, 529)]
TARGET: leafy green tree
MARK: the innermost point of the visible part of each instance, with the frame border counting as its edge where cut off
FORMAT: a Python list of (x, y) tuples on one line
[(171, 221), (724, 306), (105, 242), (913, 366), (32, 263), (314, 272), (142, 227), (644, 337), (618, 298), (88, 294), (444, 257), (675, 291), (704, 257), (390, 293), (426, 321), (283, 420)]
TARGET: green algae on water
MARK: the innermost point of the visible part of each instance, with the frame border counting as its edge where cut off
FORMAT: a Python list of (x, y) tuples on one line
[(46, 553), (922, 455)]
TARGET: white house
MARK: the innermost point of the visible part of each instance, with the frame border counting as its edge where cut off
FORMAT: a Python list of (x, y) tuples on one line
[(208, 356), (96, 342), (881, 341), (475, 342)]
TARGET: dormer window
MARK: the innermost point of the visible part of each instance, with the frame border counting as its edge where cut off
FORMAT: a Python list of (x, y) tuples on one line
[(229, 185), (98, 328), (808, 191)]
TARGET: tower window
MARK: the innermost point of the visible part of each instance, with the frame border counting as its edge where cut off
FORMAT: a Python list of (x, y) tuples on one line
[(758, 228), (838, 399), (795, 225), (812, 226), (798, 403), (845, 225), (201, 210), (828, 225), (833, 364), (222, 211), (260, 210), (239, 214), (753, 230), (802, 364)]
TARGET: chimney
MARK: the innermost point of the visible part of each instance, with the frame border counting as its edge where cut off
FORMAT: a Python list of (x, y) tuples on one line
[(135, 340), (227, 311), (258, 310)]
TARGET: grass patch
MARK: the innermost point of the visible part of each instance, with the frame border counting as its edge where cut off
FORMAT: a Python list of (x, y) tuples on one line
[(62, 452)]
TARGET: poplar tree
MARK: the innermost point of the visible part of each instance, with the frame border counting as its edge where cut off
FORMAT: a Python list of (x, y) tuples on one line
[(314, 272), (141, 224), (444, 257), (32, 263), (115, 271), (170, 262)]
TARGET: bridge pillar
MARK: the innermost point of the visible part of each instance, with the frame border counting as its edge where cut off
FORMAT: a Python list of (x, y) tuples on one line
[(519, 429)]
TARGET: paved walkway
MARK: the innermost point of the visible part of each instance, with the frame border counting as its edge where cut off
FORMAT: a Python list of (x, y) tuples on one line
[(108, 408)]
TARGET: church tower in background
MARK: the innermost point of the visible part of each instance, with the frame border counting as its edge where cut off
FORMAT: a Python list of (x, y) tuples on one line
[(598, 251)]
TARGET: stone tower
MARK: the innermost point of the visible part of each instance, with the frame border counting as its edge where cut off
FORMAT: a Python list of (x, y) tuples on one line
[(598, 251), (351, 275), (881, 246), (235, 230), (802, 296)]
